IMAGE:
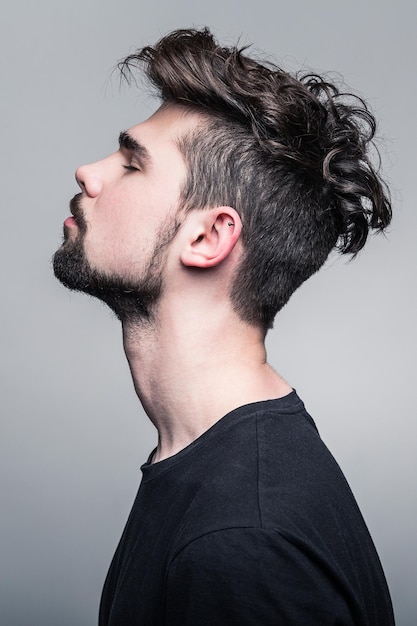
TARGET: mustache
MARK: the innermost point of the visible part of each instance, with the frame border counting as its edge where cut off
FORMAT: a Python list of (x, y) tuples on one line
[(77, 212)]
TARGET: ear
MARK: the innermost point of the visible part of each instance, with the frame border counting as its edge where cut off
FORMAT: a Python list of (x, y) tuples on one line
[(213, 234)]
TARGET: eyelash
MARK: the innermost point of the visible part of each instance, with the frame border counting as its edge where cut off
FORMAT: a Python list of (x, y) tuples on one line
[(131, 168)]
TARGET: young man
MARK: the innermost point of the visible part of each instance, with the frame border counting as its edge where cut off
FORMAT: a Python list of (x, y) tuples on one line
[(196, 232)]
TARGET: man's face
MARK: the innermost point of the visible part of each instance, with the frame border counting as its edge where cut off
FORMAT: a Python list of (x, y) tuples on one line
[(125, 217)]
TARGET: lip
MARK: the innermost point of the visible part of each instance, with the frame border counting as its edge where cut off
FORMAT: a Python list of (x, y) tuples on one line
[(70, 221)]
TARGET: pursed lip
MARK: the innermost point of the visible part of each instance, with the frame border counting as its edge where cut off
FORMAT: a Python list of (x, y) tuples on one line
[(70, 221)]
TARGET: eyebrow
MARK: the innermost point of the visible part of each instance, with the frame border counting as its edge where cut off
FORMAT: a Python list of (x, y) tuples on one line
[(129, 143)]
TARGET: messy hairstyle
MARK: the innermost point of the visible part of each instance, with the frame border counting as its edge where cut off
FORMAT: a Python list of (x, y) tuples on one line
[(289, 152)]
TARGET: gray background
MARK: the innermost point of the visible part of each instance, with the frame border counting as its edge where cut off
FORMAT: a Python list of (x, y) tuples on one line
[(72, 433)]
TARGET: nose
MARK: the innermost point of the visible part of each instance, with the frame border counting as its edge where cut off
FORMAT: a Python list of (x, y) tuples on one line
[(87, 177)]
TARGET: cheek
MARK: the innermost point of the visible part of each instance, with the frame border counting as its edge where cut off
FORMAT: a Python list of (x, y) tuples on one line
[(121, 233)]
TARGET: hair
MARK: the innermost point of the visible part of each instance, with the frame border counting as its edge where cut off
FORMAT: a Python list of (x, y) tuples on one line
[(289, 152)]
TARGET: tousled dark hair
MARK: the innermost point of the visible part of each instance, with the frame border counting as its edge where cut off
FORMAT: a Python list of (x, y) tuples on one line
[(289, 152)]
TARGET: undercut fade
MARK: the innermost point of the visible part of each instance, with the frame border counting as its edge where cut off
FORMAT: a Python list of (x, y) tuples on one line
[(291, 153)]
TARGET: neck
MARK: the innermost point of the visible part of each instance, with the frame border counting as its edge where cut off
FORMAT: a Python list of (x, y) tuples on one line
[(188, 374)]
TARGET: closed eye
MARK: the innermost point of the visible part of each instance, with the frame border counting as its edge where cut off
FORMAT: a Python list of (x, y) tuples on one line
[(131, 168)]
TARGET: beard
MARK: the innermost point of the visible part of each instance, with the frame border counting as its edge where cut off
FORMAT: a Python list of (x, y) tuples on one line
[(132, 300)]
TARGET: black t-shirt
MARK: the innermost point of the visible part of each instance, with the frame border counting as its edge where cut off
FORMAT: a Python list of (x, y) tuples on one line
[(253, 524)]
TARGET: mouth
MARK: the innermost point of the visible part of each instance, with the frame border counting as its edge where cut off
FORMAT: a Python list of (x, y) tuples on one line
[(70, 221), (77, 217)]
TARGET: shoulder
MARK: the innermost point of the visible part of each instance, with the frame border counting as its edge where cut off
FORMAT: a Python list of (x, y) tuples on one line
[(232, 551), (270, 470)]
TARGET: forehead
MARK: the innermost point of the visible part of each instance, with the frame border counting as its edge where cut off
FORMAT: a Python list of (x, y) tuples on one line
[(161, 132)]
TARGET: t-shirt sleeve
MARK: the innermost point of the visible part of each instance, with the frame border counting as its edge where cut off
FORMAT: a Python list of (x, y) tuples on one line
[(247, 576)]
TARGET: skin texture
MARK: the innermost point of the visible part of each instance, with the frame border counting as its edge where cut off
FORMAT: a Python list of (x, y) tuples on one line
[(124, 208), (191, 356)]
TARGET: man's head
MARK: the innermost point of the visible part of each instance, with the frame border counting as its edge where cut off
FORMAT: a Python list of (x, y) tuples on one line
[(289, 154)]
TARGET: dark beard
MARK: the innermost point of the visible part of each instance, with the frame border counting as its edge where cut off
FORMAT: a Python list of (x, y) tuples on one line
[(131, 301)]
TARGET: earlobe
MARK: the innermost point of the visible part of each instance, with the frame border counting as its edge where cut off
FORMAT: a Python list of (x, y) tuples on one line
[(213, 235)]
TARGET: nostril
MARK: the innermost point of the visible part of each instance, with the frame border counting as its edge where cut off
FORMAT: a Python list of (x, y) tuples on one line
[(88, 180), (79, 178), (92, 186)]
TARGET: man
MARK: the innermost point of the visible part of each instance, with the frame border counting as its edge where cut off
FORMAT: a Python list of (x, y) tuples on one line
[(196, 232)]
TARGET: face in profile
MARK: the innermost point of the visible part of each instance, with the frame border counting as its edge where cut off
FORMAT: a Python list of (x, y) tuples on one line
[(116, 241)]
